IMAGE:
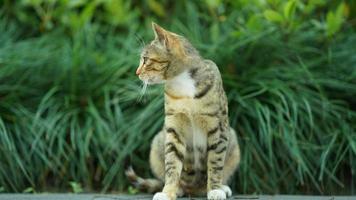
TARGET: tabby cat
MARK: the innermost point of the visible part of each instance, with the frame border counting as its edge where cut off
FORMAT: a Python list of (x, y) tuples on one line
[(197, 151)]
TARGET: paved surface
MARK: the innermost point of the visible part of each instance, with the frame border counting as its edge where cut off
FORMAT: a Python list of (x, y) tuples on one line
[(148, 197)]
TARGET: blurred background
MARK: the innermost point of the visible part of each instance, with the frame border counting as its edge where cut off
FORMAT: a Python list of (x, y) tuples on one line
[(71, 107)]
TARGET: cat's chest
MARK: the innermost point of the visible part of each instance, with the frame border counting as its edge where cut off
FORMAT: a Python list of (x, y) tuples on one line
[(180, 93), (182, 86)]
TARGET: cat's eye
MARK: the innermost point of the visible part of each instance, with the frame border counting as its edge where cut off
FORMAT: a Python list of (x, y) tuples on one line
[(145, 60), (158, 61), (153, 64)]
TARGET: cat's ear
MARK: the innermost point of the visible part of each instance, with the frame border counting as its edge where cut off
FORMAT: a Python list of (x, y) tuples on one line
[(167, 39), (160, 34)]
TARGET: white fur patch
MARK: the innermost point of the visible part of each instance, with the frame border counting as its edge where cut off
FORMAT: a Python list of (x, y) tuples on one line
[(160, 196), (182, 85), (227, 190), (199, 141), (180, 192), (217, 194)]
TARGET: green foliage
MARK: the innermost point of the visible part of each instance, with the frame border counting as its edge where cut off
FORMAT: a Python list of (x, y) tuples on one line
[(273, 16), (72, 15), (334, 20), (132, 190), (70, 108), (28, 190), (76, 187)]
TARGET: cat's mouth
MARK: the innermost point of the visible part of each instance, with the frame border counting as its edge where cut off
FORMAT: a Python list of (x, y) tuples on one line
[(151, 80)]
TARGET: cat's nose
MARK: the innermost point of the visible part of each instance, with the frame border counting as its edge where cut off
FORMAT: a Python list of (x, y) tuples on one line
[(138, 71)]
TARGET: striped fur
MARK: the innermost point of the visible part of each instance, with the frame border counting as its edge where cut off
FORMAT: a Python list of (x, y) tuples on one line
[(197, 151), (147, 185)]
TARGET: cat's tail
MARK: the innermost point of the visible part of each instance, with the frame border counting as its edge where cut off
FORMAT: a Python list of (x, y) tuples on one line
[(146, 185)]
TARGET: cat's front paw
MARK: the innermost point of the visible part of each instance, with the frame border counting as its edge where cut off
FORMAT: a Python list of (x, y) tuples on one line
[(161, 196), (227, 190), (217, 194), (180, 192)]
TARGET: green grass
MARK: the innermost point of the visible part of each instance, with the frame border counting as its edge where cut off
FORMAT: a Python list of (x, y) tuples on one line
[(71, 109)]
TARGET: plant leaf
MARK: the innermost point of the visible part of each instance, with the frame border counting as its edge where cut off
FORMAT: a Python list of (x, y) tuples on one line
[(334, 20), (289, 9), (157, 8), (273, 16)]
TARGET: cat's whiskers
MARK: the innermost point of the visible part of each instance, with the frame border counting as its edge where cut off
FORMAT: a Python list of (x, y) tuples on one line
[(143, 90), (140, 40)]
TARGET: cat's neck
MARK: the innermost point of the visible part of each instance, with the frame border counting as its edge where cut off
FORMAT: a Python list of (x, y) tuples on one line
[(181, 86)]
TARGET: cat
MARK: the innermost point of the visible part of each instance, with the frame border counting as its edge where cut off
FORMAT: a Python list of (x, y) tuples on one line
[(197, 151)]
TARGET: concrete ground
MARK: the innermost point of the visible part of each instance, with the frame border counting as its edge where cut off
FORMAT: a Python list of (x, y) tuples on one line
[(148, 197)]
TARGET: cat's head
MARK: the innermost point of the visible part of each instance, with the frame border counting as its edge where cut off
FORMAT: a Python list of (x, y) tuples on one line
[(165, 57)]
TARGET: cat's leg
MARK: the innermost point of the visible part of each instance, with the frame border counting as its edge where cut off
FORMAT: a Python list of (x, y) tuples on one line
[(180, 192), (157, 159), (157, 155), (174, 156), (217, 146), (231, 162)]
